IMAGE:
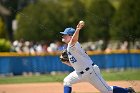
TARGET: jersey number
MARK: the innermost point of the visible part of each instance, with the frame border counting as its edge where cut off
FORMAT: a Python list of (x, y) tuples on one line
[(72, 59)]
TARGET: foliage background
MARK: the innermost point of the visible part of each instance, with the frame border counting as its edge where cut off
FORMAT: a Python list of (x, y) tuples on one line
[(44, 19)]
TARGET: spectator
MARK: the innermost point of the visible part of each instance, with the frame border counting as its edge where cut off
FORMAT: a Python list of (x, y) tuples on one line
[(124, 46)]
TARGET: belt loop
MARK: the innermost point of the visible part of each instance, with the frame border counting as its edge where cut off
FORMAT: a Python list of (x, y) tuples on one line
[(93, 64), (82, 72), (87, 68)]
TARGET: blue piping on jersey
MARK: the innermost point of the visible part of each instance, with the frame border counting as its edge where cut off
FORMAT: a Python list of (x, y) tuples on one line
[(100, 79)]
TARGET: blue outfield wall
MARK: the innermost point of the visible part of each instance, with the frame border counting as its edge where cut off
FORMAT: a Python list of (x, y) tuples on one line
[(45, 64)]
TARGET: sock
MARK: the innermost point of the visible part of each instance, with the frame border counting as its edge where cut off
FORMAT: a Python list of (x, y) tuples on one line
[(117, 89), (67, 89)]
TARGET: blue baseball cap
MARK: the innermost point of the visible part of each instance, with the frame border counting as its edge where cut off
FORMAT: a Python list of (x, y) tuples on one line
[(68, 31)]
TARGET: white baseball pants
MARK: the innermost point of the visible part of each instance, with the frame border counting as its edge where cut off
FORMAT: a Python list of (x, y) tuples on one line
[(92, 76)]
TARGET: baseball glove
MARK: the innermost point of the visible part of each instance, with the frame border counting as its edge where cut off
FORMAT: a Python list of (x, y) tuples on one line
[(64, 56)]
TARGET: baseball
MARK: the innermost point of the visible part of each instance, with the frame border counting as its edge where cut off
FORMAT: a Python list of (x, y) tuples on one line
[(82, 22)]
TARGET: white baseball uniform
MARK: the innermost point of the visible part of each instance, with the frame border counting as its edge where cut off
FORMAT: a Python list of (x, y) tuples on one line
[(85, 70)]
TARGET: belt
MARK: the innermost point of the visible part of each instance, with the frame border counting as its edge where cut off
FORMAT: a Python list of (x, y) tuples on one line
[(82, 72)]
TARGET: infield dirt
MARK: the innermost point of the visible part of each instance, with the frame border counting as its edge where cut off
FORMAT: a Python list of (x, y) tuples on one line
[(57, 87)]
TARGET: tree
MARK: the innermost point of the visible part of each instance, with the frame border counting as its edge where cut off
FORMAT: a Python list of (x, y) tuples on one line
[(44, 22), (76, 11), (125, 24), (40, 21), (5, 45), (2, 29), (12, 6), (99, 20)]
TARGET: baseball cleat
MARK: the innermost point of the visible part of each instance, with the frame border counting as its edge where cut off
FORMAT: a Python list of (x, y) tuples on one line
[(131, 90)]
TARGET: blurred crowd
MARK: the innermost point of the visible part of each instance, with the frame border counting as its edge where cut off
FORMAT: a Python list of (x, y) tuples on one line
[(112, 45), (31, 47)]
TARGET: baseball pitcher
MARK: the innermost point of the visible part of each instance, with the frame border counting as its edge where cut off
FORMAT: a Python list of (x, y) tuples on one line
[(84, 68)]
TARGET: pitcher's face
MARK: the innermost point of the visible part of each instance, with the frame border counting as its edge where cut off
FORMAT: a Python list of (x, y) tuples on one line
[(66, 38)]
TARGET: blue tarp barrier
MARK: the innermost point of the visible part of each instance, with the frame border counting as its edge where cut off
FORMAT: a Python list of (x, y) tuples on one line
[(46, 64)]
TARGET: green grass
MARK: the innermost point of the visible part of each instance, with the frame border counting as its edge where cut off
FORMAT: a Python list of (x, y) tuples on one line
[(108, 76), (32, 79), (123, 75)]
